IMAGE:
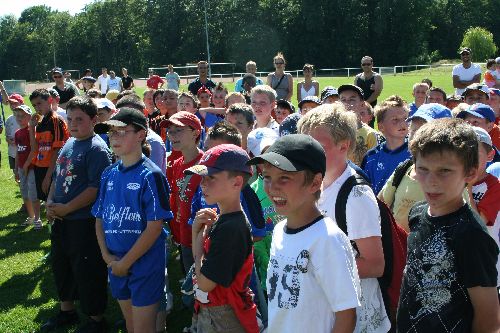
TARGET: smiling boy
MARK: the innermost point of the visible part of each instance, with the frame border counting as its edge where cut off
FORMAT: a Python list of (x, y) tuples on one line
[(450, 277)]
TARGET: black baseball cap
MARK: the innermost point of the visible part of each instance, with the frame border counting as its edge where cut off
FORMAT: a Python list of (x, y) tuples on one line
[(465, 49), (294, 152), (125, 116), (309, 99), (352, 87), (285, 104)]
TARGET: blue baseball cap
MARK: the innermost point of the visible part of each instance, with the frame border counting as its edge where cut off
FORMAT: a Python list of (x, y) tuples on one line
[(289, 124), (431, 111), (479, 110), (225, 157)]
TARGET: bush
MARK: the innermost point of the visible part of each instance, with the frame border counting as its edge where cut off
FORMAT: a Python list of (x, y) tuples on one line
[(481, 43)]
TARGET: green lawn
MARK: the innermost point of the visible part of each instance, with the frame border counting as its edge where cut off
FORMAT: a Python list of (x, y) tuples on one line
[(27, 293)]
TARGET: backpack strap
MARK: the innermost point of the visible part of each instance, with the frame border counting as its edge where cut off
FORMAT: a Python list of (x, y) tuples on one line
[(341, 203), (400, 172)]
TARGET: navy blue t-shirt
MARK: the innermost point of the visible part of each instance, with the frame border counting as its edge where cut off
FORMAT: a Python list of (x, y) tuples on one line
[(79, 166), (380, 162), (128, 198)]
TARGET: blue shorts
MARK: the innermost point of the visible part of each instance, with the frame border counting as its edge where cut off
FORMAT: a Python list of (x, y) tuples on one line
[(146, 280)]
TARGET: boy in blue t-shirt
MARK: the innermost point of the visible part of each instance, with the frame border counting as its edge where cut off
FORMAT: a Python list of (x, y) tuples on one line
[(129, 211), (380, 162), (78, 269)]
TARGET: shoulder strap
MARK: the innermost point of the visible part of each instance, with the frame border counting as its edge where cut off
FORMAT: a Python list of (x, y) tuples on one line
[(341, 203), (284, 74), (400, 172)]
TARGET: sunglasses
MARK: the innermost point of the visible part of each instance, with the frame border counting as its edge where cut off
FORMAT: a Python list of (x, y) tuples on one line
[(367, 64), (279, 63), (57, 76)]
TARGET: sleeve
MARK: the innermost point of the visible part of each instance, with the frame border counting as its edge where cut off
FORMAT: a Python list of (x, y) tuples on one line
[(195, 205), (227, 254), (477, 255), (97, 162), (60, 132), (336, 272), (489, 205), (455, 71), (97, 207), (158, 155), (388, 192), (371, 140), (155, 197), (362, 213), (237, 86)]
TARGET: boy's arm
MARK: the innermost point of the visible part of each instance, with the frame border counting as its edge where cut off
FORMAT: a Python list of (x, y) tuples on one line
[(106, 256), (50, 170), (370, 260), (141, 246), (486, 309), (5, 96), (84, 199), (290, 86), (16, 166), (345, 321), (377, 89), (220, 111), (204, 217)]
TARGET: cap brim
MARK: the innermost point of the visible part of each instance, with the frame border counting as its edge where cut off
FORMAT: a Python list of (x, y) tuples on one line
[(104, 127), (201, 170), (275, 159), (168, 122)]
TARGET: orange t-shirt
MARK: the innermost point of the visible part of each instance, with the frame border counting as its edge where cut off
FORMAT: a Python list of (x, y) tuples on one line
[(50, 133)]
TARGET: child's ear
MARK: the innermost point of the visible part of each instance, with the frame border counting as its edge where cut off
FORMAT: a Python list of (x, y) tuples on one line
[(316, 183), (490, 155), (344, 146), (471, 176)]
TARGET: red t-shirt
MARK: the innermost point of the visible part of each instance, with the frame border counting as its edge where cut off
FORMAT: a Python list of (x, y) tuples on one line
[(486, 194), (22, 140), (495, 136), (154, 81), (181, 196)]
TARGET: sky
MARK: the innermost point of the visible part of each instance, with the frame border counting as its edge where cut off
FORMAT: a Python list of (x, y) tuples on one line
[(16, 7)]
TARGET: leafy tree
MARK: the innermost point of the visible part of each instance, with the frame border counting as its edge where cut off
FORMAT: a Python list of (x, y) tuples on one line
[(481, 42)]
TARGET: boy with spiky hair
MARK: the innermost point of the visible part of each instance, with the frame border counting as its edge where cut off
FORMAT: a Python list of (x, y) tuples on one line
[(450, 278)]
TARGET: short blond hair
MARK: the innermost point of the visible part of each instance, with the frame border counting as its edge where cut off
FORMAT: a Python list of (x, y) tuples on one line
[(341, 124), (265, 90), (459, 108), (393, 101)]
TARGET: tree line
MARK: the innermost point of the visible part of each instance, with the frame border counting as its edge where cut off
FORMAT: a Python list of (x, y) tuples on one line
[(328, 33)]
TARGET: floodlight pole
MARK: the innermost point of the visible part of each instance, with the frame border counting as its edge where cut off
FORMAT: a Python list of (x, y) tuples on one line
[(208, 45)]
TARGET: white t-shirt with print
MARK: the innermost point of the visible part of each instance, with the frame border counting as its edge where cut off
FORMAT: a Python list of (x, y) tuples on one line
[(311, 274), (363, 220), (465, 74), (11, 126), (103, 82)]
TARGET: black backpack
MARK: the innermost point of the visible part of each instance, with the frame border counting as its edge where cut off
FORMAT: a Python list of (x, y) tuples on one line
[(394, 243)]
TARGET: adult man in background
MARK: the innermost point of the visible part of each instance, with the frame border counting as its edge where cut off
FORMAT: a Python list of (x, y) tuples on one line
[(369, 81), (102, 81), (251, 68), (466, 73), (127, 80), (202, 79), (65, 90), (114, 82)]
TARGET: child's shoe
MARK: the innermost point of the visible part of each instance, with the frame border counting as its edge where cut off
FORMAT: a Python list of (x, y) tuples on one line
[(38, 225), (28, 221)]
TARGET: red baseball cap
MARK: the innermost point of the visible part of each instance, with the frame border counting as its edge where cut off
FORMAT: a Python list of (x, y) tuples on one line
[(16, 98), (225, 157), (183, 118)]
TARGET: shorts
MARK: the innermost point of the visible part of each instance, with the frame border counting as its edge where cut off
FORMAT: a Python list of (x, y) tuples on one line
[(27, 185), (39, 177), (77, 264), (215, 319), (12, 163), (145, 283)]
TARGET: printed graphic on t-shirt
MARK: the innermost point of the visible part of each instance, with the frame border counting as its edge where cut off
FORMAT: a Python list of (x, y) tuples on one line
[(64, 168), (285, 284)]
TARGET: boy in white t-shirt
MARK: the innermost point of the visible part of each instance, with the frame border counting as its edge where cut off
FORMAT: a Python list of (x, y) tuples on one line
[(335, 129), (312, 280)]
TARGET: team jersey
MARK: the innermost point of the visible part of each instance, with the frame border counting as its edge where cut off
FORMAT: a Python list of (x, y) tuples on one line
[(50, 133)]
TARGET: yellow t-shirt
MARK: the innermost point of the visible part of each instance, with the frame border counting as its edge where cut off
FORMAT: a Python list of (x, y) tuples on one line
[(366, 139), (402, 198)]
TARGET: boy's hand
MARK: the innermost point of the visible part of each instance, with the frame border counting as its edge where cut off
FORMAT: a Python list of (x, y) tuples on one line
[(109, 258), (205, 216), (118, 268), (46, 184), (57, 210)]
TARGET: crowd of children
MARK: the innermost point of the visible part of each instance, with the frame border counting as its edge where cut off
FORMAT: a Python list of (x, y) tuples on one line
[(252, 194)]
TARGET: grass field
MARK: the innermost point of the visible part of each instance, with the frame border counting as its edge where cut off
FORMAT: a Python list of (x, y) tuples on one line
[(27, 291)]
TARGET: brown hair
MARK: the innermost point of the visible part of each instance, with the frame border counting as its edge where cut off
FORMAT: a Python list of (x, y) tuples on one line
[(393, 101)]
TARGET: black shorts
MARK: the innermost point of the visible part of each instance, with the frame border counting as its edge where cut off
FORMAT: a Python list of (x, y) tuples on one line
[(12, 163), (39, 177), (79, 270)]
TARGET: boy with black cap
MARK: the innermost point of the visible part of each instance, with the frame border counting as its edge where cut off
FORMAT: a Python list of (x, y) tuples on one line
[(308, 252), (130, 209), (222, 244)]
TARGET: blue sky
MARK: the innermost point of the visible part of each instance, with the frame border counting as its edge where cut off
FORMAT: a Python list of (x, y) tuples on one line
[(16, 7)]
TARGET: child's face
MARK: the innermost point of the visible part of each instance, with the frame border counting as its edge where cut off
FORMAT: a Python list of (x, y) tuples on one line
[(479, 122), (186, 104), (306, 107), (125, 140), (330, 99), (442, 178), (415, 124), (233, 99), (451, 104), (394, 124), (87, 84), (216, 187), (204, 99), (281, 113), (160, 104), (364, 115), (219, 98), (494, 102), (181, 137), (170, 101), (436, 97), (307, 73), (262, 106), (351, 100), (80, 125), (22, 118), (41, 106), (485, 156), (287, 190), (475, 96), (240, 122), (333, 151), (148, 101), (419, 93), (103, 115)]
